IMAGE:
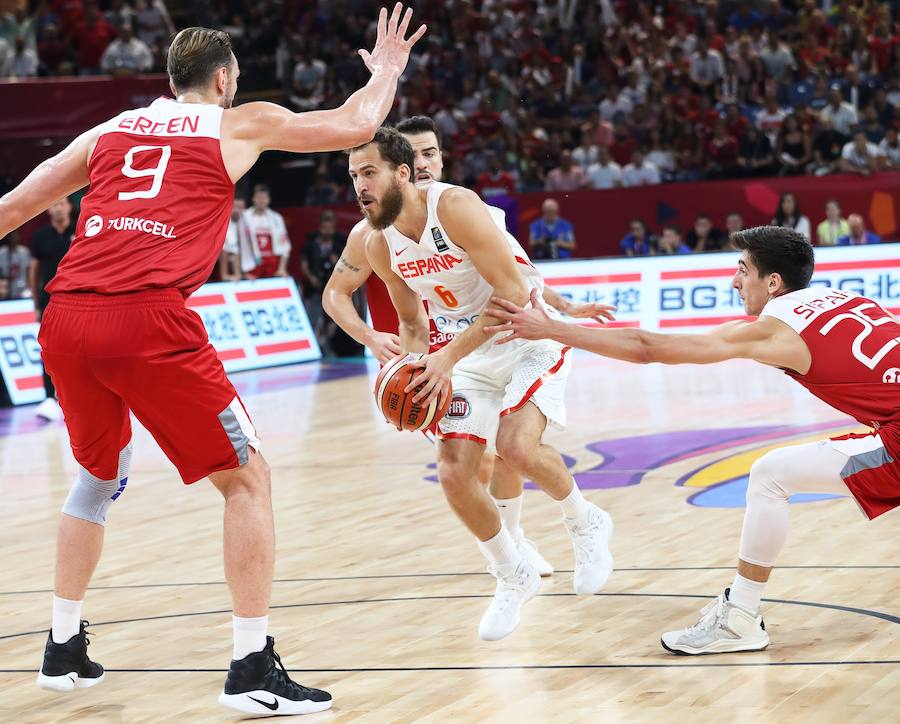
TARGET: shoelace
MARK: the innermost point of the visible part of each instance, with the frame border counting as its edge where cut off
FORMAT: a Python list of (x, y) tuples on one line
[(584, 541), (712, 614), (290, 681), (508, 590), (84, 625)]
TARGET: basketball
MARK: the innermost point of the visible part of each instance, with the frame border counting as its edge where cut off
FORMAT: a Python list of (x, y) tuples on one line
[(397, 406)]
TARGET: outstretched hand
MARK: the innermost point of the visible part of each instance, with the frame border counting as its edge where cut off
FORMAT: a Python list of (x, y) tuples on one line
[(601, 313), (523, 323), (391, 51)]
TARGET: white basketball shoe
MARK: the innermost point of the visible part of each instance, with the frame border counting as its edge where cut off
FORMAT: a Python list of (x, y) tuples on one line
[(50, 410), (517, 583), (530, 553), (590, 539), (724, 627)]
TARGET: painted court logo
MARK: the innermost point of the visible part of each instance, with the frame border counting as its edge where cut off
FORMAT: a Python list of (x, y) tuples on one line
[(93, 225)]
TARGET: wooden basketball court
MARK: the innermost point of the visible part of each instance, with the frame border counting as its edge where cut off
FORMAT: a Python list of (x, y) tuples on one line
[(379, 589)]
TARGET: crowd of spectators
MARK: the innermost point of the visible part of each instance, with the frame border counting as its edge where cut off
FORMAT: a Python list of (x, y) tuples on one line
[(84, 37), (703, 236)]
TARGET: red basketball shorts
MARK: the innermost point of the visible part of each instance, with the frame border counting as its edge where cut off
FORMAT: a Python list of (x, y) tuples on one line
[(144, 352)]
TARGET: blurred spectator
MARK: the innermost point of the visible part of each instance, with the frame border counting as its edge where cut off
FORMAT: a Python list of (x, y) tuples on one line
[(841, 114), (495, 181), (48, 247), (769, 119), (703, 236), (722, 152), (827, 147), (670, 241), (640, 172), (238, 255), (153, 23), (788, 215), (858, 233), (860, 156), (871, 125), (5, 56), (323, 192), (857, 91), (568, 176), (126, 55), (308, 80), (605, 173), (777, 59), (755, 156), (53, 53), (794, 149), (637, 242), (23, 62), (734, 223), (551, 237), (321, 252), (118, 14), (586, 154), (268, 234), (91, 37), (833, 227), (706, 67), (15, 260), (889, 148)]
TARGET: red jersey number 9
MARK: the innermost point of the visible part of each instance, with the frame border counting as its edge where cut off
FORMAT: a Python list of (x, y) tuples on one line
[(155, 173), (447, 297)]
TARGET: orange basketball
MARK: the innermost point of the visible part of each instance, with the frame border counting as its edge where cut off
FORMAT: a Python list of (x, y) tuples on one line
[(397, 406)]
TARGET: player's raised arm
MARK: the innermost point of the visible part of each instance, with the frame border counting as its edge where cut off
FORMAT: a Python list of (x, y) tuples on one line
[(53, 179), (410, 310), (350, 273), (587, 310), (273, 127), (766, 340)]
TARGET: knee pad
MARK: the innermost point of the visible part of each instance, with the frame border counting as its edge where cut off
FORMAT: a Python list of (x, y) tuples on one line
[(90, 497)]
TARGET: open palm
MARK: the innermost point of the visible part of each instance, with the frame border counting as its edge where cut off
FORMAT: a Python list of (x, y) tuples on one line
[(391, 51)]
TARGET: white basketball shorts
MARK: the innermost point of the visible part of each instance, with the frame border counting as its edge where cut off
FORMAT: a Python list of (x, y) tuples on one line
[(497, 380)]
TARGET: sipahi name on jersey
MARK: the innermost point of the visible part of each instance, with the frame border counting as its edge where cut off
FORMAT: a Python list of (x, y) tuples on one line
[(431, 265)]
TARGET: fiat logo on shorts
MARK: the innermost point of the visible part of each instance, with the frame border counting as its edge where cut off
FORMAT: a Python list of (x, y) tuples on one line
[(93, 226), (459, 407)]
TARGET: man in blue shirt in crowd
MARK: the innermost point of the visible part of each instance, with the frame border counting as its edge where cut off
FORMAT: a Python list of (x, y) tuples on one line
[(670, 242), (551, 237), (858, 233), (638, 241)]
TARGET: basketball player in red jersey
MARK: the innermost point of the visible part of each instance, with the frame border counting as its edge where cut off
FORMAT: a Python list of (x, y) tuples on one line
[(352, 271), (117, 336), (842, 347)]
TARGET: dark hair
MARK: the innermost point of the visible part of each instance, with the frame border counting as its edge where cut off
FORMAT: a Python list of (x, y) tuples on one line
[(780, 218), (261, 188), (393, 147), (672, 227), (420, 124), (195, 55), (777, 250)]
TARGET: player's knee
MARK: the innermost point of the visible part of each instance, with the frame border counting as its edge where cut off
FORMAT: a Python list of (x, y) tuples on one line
[(515, 450), (764, 478), (90, 497), (455, 478)]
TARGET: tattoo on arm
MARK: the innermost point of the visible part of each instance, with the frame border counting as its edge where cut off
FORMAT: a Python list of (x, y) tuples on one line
[(343, 262)]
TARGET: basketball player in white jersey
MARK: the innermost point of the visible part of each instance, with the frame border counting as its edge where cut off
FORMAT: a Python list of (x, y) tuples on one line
[(844, 348), (352, 271), (441, 243), (118, 338)]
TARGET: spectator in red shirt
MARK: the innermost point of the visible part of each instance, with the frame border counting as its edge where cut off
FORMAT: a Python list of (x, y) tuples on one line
[(486, 121), (722, 152), (91, 37), (495, 181), (53, 53), (881, 44), (736, 123)]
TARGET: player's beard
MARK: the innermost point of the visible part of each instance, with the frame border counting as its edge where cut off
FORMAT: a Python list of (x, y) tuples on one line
[(391, 205)]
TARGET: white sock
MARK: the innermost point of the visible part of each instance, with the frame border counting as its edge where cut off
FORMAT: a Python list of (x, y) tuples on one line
[(574, 506), (249, 635), (501, 549), (746, 593), (66, 619), (510, 512)]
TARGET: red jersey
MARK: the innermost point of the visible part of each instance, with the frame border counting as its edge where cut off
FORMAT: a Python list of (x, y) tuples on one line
[(158, 206), (855, 349)]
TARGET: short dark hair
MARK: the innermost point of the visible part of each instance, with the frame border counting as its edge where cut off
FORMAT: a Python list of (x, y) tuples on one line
[(420, 124), (393, 147), (778, 250), (672, 227), (195, 55), (261, 188)]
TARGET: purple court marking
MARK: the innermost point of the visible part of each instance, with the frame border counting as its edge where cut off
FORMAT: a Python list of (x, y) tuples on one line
[(21, 420), (567, 459)]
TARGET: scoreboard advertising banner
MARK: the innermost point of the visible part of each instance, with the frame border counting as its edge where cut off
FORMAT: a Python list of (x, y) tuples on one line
[(251, 324)]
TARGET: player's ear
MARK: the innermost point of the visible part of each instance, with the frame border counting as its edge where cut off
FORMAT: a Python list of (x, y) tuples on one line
[(405, 172)]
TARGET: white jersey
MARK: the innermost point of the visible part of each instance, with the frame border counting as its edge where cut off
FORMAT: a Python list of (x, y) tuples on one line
[(443, 274)]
